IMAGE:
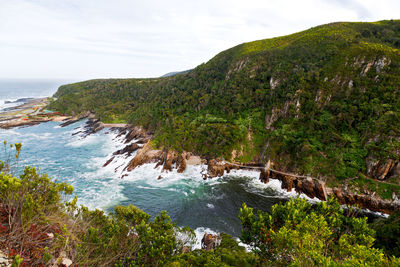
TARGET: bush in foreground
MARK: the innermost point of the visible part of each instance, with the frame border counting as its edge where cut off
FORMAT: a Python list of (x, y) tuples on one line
[(39, 228), (301, 234)]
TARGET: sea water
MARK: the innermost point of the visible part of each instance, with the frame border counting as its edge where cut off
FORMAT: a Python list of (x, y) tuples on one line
[(12, 90), (205, 205)]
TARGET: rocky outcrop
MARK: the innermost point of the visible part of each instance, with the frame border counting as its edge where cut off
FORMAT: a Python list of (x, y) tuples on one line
[(170, 158), (128, 149), (380, 169), (264, 175), (147, 154), (137, 133), (181, 163), (20, 123), (315, 188), (210, 241), (217, 168), (370, 202), (76, 119)]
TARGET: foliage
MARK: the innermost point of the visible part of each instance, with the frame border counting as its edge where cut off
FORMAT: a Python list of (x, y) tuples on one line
[(38, 228), (320, 102), (27, 204), (301, 234), (229, 253), (388, 234), (128, 238)]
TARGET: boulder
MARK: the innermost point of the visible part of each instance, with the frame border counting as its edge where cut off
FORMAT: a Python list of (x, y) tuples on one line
[(128, 149), (169, 161), (215, 168), (145, 155), (210, 241), (287, 182), (264, 175), (181, 163)]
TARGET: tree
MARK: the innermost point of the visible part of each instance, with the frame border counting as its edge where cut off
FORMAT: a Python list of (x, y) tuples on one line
[(302, 234)]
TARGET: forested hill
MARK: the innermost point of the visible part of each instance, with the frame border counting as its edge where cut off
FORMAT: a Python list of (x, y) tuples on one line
[(324, 102)]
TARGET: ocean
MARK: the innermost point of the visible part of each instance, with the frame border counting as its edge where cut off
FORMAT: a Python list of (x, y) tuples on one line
[(205, 205)]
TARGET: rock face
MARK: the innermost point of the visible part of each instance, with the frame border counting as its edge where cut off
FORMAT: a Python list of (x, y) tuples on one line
[(217, 168), (381, 169), (136, 133), (366, 201), (76, 119), (181, 163), (128, 149), (210, 241), (317, 188), (264, 175), (145, 155)]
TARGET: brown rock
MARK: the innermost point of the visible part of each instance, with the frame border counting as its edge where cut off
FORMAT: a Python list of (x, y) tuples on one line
[(108, 162), (320, 191), (181, 163), (264, 175), (129, 149), (308, 187), (171, 159), (210, 241), (185, 249), (137, 133), (145, 155), (215, 168), (287, 182)]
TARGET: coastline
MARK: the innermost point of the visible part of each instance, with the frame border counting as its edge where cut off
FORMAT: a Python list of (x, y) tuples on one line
[(139, 141)]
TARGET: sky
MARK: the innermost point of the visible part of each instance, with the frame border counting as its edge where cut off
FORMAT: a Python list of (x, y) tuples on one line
[(86, 39)]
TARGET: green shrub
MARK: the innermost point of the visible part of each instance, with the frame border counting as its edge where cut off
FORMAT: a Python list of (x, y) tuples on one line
[(301, 234)]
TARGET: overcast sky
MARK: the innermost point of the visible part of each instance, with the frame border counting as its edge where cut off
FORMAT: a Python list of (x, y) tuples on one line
[(84, 39)]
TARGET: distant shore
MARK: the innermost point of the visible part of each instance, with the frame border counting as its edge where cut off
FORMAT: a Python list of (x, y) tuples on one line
[(34, 111)]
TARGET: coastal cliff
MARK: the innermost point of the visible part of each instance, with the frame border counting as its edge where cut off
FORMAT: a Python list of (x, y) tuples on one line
[(321, 103)]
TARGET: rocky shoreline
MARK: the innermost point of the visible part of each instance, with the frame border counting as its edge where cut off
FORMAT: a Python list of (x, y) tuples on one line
[(139, 141), (31, 112)]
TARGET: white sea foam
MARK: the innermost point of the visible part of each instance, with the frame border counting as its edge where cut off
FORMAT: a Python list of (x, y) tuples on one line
[(199, 235), (211, 206)]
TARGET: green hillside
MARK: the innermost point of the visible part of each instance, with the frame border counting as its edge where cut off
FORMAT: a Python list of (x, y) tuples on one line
[(323, 102)]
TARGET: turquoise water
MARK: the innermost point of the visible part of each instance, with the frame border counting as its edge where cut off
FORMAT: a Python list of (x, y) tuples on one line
[(189, 200)]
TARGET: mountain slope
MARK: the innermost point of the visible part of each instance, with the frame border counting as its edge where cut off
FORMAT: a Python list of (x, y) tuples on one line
[(323, 102)]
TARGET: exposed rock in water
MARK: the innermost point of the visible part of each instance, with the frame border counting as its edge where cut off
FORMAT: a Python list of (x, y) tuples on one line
[(137, 133), (128, 149), (108, 162), (92, 126), (316, 188), (169, 160), (264, 175), (217, 168), (76, 119), (145, 155), (210, 241), (181, 163)]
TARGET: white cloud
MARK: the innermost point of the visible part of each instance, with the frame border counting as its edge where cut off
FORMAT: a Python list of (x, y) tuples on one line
[(84, 39)]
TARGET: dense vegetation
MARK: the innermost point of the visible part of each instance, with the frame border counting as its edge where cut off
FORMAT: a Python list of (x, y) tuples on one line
[(301, 234), (324, 102), (39, 228)]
